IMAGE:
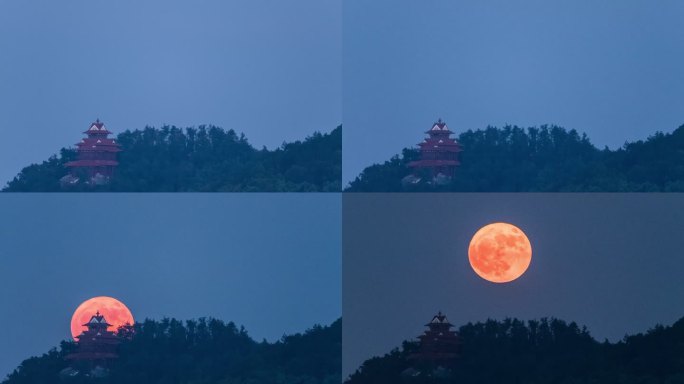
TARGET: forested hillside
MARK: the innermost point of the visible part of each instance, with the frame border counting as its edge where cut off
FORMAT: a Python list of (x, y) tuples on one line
[(207, 158), (543, 159), (547, 351), (205, 351)]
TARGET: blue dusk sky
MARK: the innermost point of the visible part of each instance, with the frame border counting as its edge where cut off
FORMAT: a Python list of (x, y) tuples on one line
[(269, 262), (268, 68), (612, 69)]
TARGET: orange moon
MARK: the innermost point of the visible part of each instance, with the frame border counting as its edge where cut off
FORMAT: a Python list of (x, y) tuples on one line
[(115, 312), (500, 252)]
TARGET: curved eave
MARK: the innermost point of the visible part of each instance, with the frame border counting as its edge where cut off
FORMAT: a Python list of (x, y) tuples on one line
[(98, 132), (448, 131), (92, 163), (454, 147), (448, 324), (98, 148), (433, 163), (91, 356)]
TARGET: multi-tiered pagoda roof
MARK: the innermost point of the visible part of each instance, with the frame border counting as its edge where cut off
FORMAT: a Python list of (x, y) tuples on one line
[(97, 343), (439, 344), (97, 153), (438, 152)]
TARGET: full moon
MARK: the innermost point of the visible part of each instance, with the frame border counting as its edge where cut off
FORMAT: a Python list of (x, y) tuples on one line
[(114, 311), (500, 252)]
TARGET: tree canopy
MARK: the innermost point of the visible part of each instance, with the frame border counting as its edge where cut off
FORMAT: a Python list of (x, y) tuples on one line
[(545, 351), (204, 351), (543, 159), (206, 159)]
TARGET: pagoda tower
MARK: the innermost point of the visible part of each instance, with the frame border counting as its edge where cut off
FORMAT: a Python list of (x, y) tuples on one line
[(438, 152), (96, 345), (439, 345), (97, 156)]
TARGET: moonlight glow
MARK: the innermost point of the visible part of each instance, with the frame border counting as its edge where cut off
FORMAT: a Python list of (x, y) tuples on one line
[(500, 252), (114, 311)]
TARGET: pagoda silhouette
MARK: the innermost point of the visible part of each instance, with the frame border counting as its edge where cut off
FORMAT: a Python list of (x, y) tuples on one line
[(439, 156), (439, 344), (96, 345), (96, 157), (436, 351)]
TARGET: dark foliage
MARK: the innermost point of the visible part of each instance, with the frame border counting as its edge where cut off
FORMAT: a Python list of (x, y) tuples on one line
[(547, 351), (544, 159), (171, 159), (205, 351)]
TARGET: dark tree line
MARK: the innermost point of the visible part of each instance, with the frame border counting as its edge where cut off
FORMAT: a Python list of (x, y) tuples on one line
[(543, 159), (547, 351), (205, 351), (207, 158)]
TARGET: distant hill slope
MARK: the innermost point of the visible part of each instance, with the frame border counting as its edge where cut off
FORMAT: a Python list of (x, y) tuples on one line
[(548, 351), (207, 158), (544, 159), (205, 351)]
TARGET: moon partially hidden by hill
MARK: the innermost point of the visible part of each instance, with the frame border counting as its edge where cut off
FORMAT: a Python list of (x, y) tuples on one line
[(115, 312), (500, 252)]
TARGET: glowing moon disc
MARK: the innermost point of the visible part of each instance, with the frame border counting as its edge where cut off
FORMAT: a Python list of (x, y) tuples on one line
[(500, 252), (114, 311)]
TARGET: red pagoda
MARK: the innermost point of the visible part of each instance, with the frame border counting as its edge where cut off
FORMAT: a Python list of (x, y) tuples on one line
[(439, 345), (97, 155), (96, 345), (438, 152)]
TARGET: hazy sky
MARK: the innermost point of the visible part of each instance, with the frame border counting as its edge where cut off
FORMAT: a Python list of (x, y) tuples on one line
[(612, 262), (611, 69), (268, 68), (269, 262)]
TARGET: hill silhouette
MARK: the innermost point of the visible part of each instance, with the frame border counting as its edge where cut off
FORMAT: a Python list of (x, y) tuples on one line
[(544, 351), (203, 351), (206, 159), (543, 159)]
